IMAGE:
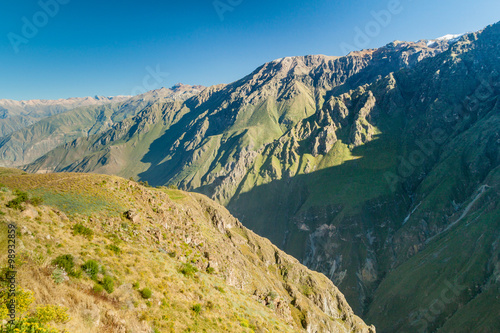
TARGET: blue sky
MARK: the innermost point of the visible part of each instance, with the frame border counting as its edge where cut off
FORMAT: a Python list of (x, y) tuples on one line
[(87, 48)]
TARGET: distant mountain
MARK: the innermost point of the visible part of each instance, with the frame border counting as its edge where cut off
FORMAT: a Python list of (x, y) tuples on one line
[(379, 169), (15, 115), (29, 143), (121, 257)]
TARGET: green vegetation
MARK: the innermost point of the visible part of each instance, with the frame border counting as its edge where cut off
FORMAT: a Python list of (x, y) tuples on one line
[(91, 268), (59, 275), (32, 320), (80, 229), (187, 269), (114, 248), (98, 288), (23, 197), (108, 284), (65, 261), (196, 308), (146, 293)]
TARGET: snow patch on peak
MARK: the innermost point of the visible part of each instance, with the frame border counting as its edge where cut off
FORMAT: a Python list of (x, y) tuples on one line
[(449, 37)]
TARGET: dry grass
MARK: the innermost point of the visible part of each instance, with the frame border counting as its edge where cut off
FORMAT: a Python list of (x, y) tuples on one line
[(170, 229)]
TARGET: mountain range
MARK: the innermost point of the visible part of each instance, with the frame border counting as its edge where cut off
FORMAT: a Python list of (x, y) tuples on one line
[(379, 169)]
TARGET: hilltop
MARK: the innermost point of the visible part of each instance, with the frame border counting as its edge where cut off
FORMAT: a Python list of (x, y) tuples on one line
[(168, 261)]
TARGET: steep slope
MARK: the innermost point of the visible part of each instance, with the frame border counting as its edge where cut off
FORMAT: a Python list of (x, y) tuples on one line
[(15, 115), (209, 142), (205, 270), (362, 186), (29, 143), (392, 191)]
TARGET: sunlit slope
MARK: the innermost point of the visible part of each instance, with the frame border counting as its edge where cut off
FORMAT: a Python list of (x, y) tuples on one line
[(203, 269)]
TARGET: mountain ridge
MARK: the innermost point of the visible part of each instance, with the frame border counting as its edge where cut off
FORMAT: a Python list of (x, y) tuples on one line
[(336, 168), (186, 249)]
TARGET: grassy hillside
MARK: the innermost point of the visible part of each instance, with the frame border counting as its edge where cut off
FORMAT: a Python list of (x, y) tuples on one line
[(154, 259), (28, 143)]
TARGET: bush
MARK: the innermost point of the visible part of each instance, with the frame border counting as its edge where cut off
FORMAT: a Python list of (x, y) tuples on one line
[(91, 267), (98, 288), (114, 248), (108, 284), (210, 270), (146, 293), (25, 325), (59, 275), (55, 313), (18, 200), (65, 261), (36, 201), (196, 308), (24, 299), (135, 285), (187, 269), (80, 229)]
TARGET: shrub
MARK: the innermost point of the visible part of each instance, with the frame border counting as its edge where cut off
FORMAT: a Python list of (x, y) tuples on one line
[(146, 293), (173, 187), (196, 308), (244, 322), (114, 248), (210, 270), (35, 201), (108, 284), (18, 200), (65, 261), (55, 313), (91, 267), (187, 269), (98, 288), (135, 285), (25, 325), (80, 229), (23, 298), (59, 275)]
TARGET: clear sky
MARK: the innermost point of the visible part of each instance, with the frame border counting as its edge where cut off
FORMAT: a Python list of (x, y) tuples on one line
[(90, 47)]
